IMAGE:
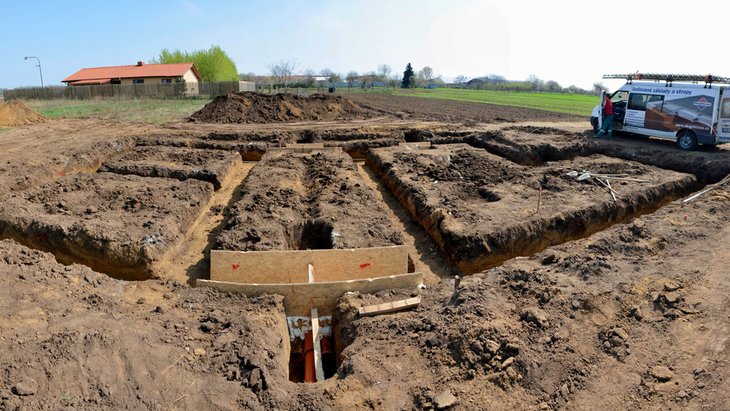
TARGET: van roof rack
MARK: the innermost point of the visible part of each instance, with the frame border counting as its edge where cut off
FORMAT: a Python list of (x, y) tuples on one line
[(708, 79)]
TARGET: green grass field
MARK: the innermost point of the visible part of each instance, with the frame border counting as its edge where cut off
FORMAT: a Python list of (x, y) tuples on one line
[(154, 111), (577, 104), (157, 111)]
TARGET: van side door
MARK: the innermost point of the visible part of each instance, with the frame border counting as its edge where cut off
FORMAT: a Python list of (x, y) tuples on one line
[(723, 123)]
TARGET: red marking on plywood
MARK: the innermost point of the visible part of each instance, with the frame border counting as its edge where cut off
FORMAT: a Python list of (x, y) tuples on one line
[(364, 265), (235, 266)]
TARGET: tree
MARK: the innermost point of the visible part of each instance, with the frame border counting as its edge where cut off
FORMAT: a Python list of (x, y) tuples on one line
[(250, 76), (598, 88), (334, 78), (309, 77), (553, 86), (460, 79), (426, 74), (330, 76), (351, 78), (283, 71), (408, 76), (395, 79), (383, 72), (369, 77), (212, 64), (496, 78)]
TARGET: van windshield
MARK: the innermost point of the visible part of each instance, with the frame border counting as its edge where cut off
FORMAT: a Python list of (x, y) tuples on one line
[(620, 95)]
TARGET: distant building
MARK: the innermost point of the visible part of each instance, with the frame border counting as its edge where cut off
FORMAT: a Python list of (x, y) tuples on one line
[(139, 73)]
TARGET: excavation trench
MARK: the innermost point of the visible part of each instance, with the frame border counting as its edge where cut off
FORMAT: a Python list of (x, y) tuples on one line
[(309, 198), (482, 210)]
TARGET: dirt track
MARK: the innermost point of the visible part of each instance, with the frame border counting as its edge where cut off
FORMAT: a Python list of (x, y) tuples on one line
[(627, 315)]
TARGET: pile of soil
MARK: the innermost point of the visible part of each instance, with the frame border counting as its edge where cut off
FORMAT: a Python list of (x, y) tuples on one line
[(250, 107), (15, 113)]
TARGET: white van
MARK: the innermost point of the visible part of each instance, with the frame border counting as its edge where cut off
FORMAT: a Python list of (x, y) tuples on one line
[(675, 107)]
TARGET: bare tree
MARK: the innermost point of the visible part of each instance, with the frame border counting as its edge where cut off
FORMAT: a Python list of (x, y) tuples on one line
[(334, 78), (283, 71), (351, 78), (309, 76), (599, 88), (372, 77), (426, 74), (383, 72), (395, 79), (496, 78), (250, 76), (460, 79)]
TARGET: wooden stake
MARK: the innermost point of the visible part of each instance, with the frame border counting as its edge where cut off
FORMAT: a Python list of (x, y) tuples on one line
[(608, 186), (317, 337), (391, 307), (613, 194)]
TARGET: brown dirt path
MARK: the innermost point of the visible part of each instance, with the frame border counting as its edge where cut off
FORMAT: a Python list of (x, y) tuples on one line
[(192, 258), (426, 254)]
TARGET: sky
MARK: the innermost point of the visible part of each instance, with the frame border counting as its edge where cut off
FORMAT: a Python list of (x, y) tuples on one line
[(571, 42)]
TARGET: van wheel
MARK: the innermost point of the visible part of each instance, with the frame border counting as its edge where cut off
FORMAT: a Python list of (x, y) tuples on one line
[(594, 123), (686, 140)]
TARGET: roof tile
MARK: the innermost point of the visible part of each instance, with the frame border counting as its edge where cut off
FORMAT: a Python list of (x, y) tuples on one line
[(134, 71)]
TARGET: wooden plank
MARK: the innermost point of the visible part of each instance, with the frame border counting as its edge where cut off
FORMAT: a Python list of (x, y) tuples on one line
[(300, 298), (390, 307), (275, 267), (317, 338), (301, 148)]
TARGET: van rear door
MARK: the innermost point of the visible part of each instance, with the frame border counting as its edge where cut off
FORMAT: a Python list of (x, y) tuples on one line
[(723, 124)]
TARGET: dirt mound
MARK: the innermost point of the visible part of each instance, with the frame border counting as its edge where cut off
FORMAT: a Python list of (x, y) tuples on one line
[(15, 113), (250, 107)]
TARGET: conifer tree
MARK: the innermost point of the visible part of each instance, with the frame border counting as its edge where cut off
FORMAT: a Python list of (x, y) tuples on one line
[(407, 77)]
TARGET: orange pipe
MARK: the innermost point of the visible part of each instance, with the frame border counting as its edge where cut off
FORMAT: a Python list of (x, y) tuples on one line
[(309, 372), (326, 343)]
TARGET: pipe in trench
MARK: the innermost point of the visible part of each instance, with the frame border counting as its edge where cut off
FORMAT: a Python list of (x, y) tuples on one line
[(309, 371)]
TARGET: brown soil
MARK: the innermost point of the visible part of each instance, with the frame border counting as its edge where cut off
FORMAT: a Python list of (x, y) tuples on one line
[(120, 225), (251, 107), (16, 113), (527, 145), (482, 209), (306, 201), (633, 316), (179, 163), (417, 108), (44, 152)]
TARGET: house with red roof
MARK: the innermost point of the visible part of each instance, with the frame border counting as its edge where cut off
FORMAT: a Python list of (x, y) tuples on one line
[(139, 74)]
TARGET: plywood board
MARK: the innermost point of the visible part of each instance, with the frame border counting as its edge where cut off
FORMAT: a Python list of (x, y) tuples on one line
[(301, 297), (276, 267), (390, 307)]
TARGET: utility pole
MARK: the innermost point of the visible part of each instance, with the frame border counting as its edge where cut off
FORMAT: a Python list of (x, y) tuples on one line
[(40, 70)]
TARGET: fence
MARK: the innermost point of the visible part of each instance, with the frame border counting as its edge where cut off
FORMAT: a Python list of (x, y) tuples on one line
[(170, 90)]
